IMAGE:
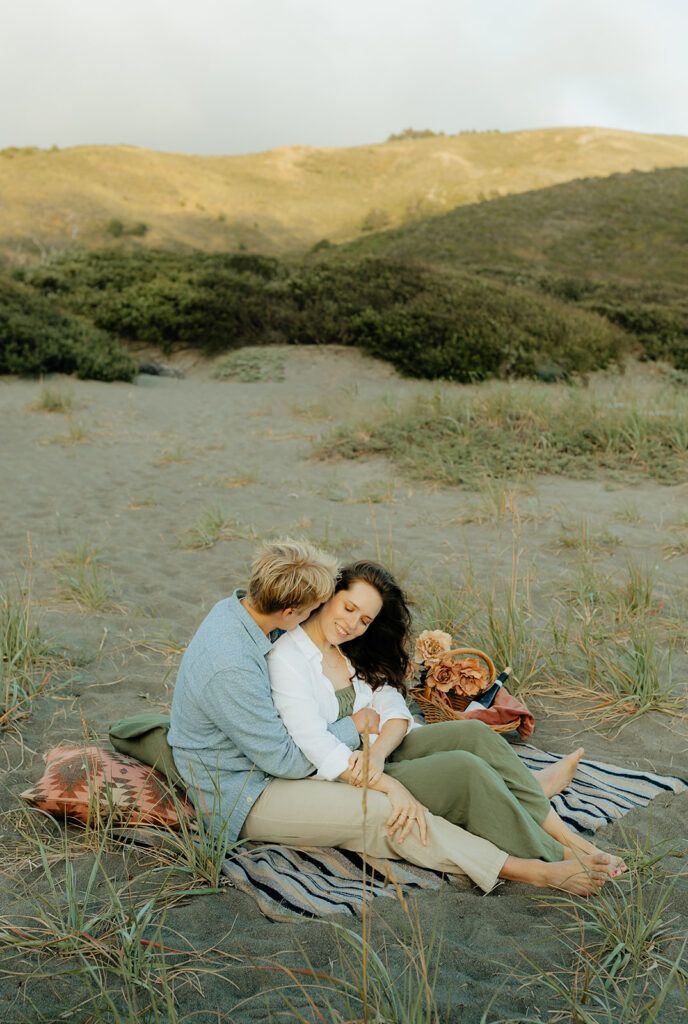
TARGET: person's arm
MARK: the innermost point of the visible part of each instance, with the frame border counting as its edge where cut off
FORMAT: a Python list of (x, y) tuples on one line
[(390, 736), (395, 722), (295, 697), (405, 812), (240, 704)]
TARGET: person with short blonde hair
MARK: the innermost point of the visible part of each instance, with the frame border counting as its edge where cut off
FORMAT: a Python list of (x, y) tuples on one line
[(290, 574), (226, 736)]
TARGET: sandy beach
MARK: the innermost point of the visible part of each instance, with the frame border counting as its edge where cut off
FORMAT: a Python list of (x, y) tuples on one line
[(130, 472)]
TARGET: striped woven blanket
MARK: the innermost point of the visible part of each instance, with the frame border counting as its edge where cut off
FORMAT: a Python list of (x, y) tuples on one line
[(319, 882)]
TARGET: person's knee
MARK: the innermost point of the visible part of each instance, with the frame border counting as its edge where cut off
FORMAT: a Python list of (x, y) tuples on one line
[(480, 736), (378, 808)]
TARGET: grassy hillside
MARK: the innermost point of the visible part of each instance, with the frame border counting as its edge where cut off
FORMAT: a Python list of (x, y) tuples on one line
[(288, 199), (545, 284), (617, 246), (629, 227)]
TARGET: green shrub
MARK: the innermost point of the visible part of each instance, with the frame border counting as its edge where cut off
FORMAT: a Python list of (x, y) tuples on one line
[(115, 228), (431, 323), (427, 322), (662, 330), (212, 302), (36, 337)]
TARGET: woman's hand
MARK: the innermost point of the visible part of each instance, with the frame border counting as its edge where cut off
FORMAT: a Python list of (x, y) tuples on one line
[(376, 766), (356, 762), (406, 811), (367, 721)]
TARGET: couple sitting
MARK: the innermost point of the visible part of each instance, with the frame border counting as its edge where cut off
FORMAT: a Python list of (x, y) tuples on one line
[(269, 735)]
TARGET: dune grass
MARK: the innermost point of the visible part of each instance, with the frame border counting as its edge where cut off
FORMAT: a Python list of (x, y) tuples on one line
[(361, 986), (251, 364), (25, 654), (54, 400), (82, 577), (505, 431), (104, 944), (606, 641), (213, 525)]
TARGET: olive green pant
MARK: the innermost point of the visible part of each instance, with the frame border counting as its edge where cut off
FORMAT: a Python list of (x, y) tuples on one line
[(467, 773)]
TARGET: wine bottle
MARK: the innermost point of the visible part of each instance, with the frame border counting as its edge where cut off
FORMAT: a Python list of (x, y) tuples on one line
[(486, 700)]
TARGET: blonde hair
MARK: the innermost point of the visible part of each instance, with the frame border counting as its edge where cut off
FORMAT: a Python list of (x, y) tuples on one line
[(290, 574)]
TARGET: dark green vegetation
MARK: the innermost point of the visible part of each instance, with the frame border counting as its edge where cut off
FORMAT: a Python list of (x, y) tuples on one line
[(37, 336), (428, 323), (547, 284), (616, 246)]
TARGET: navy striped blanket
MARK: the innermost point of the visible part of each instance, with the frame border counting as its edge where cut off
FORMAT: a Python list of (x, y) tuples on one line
[(319, 882), (315, 883)]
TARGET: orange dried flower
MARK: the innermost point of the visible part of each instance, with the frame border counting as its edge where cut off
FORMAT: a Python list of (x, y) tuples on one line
[(467, 676), (431, 644)]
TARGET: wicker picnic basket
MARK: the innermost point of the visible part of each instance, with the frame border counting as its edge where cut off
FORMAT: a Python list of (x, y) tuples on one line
[(435, 709)]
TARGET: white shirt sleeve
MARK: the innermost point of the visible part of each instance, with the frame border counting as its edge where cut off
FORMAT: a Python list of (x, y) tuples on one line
[(294, 694), (389, 704)]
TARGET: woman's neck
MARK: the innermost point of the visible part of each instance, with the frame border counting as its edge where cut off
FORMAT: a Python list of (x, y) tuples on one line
[(315, 632)]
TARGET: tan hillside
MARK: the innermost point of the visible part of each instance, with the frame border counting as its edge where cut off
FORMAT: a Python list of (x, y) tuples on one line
[(287, 199)]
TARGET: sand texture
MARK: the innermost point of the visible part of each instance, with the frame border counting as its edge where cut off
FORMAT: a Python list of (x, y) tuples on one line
[(130, 471)]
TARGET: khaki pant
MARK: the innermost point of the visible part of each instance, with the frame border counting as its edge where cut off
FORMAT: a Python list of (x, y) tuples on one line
[(311, 812)]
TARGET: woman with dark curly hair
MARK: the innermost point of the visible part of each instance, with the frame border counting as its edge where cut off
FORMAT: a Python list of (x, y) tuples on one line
[(352, 653)]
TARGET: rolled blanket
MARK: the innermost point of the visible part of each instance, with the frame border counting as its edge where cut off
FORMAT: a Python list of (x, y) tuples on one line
[(505, 708)]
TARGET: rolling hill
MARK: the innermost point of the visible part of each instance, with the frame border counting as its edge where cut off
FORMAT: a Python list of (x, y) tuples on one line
[(285, 200)]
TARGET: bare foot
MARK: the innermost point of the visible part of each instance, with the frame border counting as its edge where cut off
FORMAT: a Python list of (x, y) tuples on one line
[(582, 878), (557, 776), (584, 849)]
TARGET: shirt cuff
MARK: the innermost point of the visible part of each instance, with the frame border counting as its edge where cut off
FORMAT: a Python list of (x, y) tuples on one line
[(346, 732), (334, 764)]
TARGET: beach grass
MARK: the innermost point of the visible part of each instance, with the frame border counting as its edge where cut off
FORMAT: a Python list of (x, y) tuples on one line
[(493, 615), (251, 364), (506, 431), (623, 959), (213, 525), (54, 400), (172, 455), (83, 578), (581, 538), (360, 986), (24, 652), (105, 941)]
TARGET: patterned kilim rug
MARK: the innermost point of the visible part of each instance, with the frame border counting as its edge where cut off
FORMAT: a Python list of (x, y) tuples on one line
[(318, 882)]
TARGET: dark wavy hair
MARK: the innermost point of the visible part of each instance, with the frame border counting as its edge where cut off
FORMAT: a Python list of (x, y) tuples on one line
[(379, 656)]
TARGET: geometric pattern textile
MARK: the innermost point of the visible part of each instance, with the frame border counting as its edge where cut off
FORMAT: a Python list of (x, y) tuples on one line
[(88, 782)]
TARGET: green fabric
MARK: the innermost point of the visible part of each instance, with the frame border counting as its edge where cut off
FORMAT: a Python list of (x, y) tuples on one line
[(467, 773), (346, 698), (144, 736)]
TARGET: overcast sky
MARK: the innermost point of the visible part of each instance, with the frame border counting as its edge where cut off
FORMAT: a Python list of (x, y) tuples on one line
[(238, 76)]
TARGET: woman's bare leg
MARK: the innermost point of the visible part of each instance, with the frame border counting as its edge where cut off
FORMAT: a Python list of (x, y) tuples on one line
[(576, 846), (557, 776), (582, 878)]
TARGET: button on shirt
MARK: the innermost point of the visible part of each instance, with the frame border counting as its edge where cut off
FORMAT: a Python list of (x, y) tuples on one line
[(227, 738)]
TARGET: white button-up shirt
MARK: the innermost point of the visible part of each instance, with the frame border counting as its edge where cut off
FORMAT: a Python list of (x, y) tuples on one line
[(305, 699)]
